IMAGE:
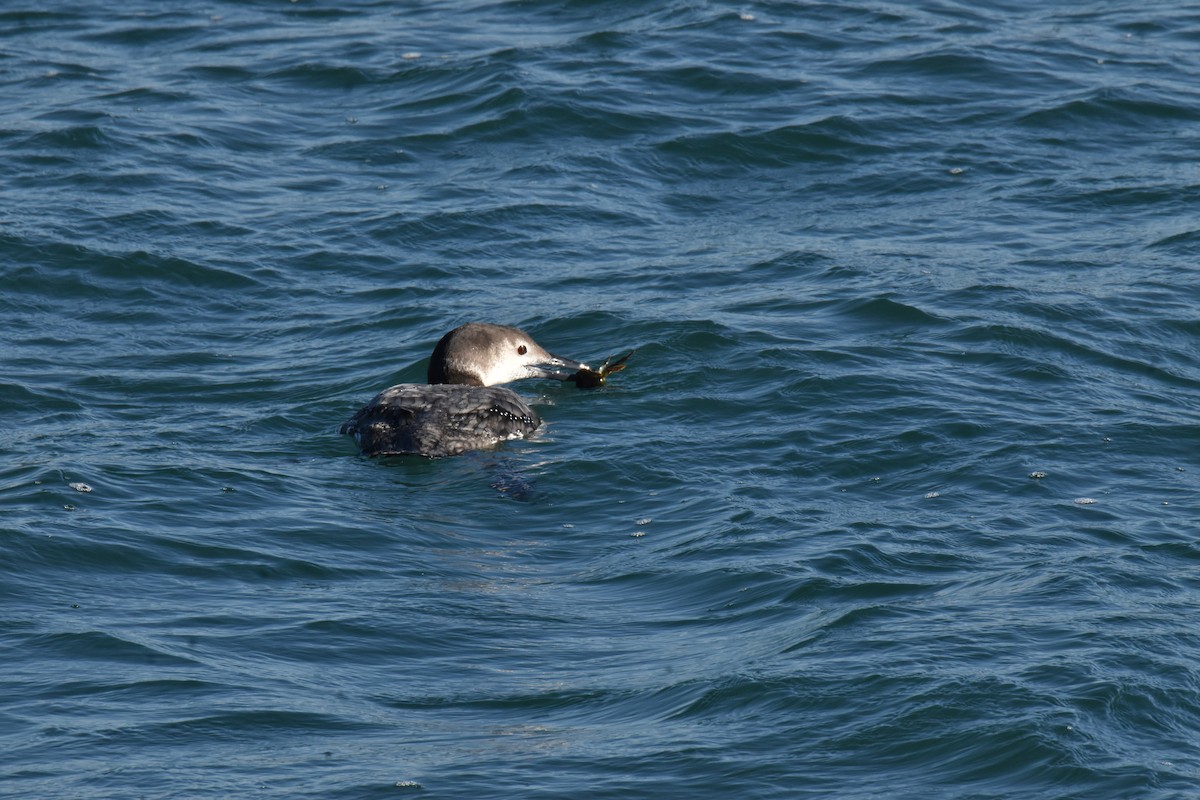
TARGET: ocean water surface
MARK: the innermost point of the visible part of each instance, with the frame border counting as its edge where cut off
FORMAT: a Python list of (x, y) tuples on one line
[(897, 498)]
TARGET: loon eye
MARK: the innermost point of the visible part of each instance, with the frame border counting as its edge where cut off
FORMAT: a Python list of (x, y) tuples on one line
[(522, 350)]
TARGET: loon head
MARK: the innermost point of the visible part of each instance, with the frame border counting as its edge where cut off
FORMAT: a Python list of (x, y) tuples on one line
[(482, 354)]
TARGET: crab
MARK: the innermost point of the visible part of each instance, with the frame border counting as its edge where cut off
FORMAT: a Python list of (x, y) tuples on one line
[(588, 378)]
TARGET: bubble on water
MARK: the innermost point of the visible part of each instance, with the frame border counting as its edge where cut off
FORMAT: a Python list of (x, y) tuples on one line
[(932, 495), (644, 521), (957, 170), (410, 56), (638, 534), (1084, 501), (80, 487), (1037, 475)]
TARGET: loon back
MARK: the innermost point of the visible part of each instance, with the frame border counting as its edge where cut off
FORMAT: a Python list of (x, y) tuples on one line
[(438, 421)]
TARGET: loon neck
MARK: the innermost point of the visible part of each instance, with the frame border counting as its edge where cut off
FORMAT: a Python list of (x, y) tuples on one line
[(441, 375), (443, 369)]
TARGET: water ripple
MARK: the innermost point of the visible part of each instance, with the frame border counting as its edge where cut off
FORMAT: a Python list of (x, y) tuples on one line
[(896, 496)]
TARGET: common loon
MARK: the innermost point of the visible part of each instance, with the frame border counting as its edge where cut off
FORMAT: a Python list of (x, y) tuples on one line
[(460, 409)]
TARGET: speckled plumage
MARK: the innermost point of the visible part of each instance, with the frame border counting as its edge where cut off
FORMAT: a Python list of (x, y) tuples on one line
[(447, 422)]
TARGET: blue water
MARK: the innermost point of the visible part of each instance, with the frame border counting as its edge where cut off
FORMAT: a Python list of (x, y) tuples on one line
[(897, 498)]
